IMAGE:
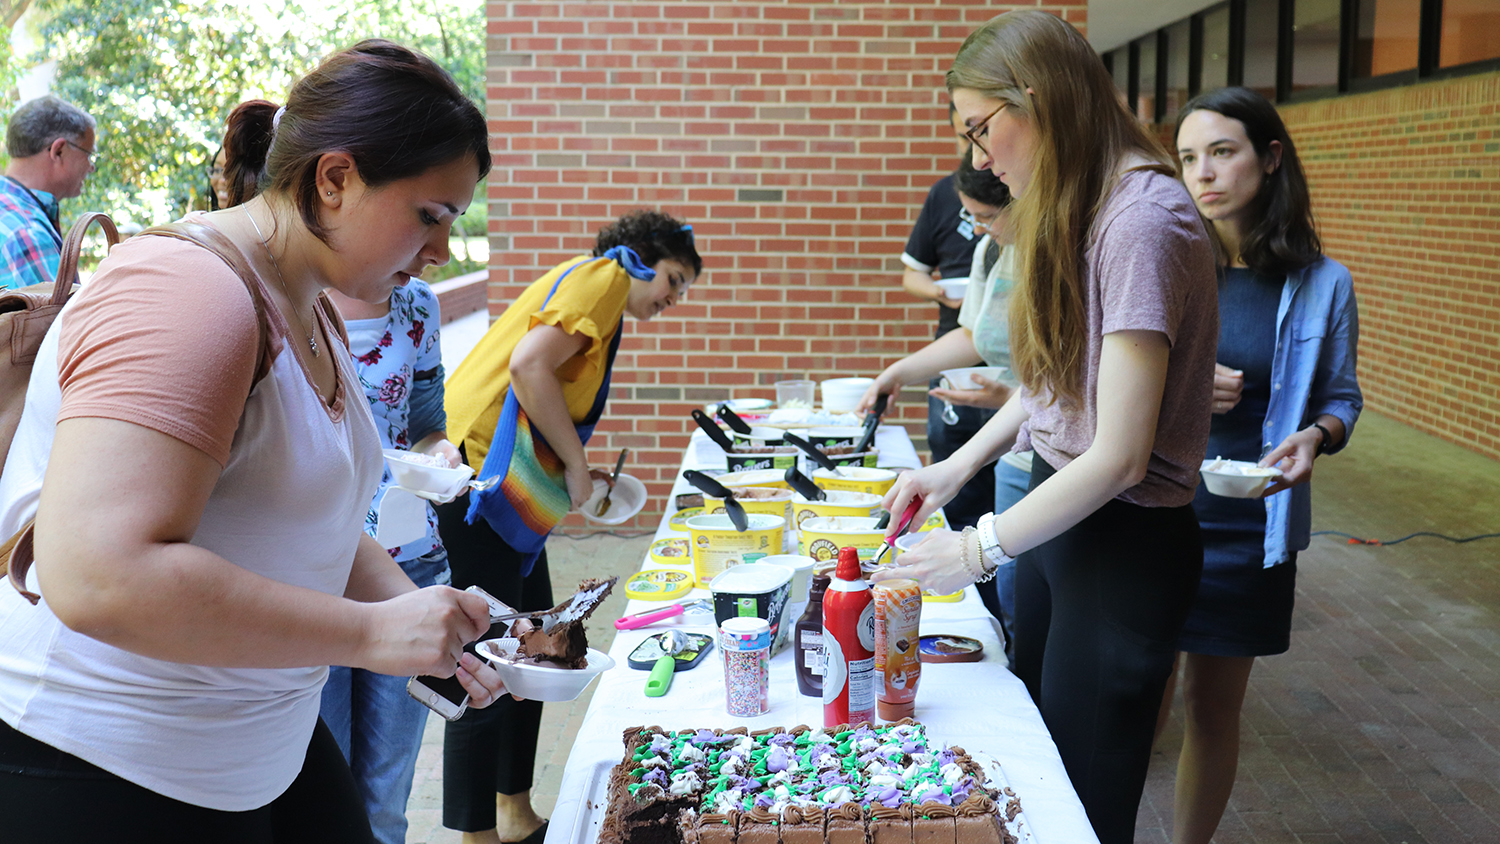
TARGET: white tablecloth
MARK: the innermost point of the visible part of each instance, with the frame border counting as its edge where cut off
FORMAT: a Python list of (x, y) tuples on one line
[(980, 706)]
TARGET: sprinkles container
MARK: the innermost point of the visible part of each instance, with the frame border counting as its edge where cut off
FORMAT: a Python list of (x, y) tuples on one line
[(746, 644)]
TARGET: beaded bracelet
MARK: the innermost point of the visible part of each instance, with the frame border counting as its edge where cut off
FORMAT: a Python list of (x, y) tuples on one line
[(964, 539)]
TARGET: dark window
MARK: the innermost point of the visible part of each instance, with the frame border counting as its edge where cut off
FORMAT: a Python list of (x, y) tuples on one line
[(1385, 40), (1315, 44), (1145, 98), (1215, 49), (1261, 17), (1471, 32), (1179, 36)]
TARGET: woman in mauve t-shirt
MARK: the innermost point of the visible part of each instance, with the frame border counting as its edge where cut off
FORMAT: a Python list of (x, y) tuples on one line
[(199, 457), (1114, 324)]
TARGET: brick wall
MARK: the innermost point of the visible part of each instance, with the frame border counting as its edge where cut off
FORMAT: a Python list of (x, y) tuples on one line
[(1406, 185), (798, 138)]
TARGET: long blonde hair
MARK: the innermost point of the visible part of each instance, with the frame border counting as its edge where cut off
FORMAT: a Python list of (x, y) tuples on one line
[(1045, 70)]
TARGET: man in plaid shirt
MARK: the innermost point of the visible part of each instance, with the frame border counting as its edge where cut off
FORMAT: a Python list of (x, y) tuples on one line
[(51, 146)]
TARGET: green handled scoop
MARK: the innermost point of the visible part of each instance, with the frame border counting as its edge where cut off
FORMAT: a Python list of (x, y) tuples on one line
[(673, 642), (665, 653)]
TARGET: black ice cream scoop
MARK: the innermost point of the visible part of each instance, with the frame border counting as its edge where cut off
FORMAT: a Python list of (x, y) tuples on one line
[(709, 486)]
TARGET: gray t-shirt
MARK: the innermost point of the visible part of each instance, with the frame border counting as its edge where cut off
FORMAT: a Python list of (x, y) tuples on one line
[(1149, 266)]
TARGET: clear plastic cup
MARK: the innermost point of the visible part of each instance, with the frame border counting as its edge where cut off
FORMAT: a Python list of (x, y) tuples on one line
[(795, 394)]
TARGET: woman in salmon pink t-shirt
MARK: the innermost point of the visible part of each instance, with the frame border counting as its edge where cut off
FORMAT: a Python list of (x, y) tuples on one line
[(198, 457), (1113, 331)]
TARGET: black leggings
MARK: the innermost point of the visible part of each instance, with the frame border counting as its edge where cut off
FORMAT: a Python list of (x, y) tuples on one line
[(492, 750), (48, 796), (1098, 612)]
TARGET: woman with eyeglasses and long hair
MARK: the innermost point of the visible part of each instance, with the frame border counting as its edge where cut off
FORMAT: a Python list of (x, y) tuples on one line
[(1285, 392), (1113, 323), (982, 338)]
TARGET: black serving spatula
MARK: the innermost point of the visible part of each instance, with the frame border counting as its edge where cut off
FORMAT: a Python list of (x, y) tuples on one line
[(733, 420), (713, 430), (709, 486), (803, 485), (814, 452), (872, 421)]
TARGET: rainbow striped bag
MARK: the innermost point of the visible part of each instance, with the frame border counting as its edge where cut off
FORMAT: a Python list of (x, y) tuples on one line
[(533, 496)]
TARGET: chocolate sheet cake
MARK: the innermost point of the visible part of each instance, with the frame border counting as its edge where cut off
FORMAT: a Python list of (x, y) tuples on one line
[(859, 785)]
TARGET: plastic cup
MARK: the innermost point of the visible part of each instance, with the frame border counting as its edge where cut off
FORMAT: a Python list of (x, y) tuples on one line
[(795, 394)]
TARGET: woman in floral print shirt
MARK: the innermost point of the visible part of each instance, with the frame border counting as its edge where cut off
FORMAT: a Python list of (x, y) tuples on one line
[(400, 365)]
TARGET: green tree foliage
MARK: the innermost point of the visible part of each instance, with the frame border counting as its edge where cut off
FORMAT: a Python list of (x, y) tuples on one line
[(161, 76)]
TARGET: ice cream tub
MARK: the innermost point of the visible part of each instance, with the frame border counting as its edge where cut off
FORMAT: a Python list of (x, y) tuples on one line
[(822, 537), (869, 458), (834, 435), (755, 590), (755, 499), (781, 460), (717, 546), (857, 479), (838, 503), (758, 477), (760, 435)]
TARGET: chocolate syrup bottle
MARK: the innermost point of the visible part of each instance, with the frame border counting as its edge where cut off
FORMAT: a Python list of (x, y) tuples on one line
[(809, 641)]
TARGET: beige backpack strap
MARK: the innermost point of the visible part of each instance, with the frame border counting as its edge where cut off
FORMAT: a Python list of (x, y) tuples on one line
[(17, 555)]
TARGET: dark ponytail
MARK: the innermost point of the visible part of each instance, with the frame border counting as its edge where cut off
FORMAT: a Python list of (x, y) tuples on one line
[(247, 140), (1283, 237), (392, 109)]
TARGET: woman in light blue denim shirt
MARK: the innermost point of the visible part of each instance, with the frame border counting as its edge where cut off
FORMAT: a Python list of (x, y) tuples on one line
[(1284, 392)]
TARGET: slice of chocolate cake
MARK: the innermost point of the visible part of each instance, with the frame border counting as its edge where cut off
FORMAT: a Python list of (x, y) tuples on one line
[(562, 642)]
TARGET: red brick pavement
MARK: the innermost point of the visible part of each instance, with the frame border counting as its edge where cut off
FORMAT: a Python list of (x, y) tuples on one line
[(1382, 723)]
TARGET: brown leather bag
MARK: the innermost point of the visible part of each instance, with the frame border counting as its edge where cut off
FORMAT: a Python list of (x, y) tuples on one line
[(26, 314)]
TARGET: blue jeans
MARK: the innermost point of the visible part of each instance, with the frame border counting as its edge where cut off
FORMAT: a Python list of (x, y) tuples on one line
[(378, 726)]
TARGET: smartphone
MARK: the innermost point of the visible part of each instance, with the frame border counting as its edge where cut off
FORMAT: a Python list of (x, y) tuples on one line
[(445, 695)]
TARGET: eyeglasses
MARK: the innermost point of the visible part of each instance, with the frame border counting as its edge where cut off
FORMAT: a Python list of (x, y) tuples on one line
[(975, 220), (92, 154), (973, 133)]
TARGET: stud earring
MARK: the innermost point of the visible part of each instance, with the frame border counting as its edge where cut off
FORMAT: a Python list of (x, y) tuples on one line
[(330, 193)]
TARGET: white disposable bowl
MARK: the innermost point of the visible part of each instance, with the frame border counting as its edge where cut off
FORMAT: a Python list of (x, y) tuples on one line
[(1236, 478), (419, 477), (842, 395), (629, 499), (954, 288), (541, 682), (963, 379)]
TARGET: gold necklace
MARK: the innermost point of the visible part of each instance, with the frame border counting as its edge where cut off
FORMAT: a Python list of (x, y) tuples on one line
[(312, 342)]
